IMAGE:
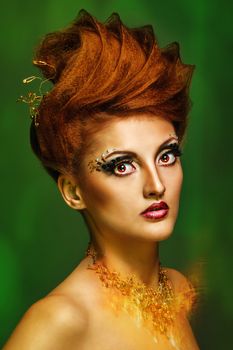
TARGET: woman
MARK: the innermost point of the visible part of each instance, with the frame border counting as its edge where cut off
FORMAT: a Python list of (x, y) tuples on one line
[(110, 133)]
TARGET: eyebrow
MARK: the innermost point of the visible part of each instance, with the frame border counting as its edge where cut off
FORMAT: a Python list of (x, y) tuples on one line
[(164, 145)]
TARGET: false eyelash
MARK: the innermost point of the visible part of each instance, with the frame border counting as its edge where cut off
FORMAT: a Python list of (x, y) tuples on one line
[(110, 166), (174, 147)]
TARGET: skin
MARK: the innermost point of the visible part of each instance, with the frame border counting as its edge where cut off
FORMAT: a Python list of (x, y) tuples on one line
[(124, 240)]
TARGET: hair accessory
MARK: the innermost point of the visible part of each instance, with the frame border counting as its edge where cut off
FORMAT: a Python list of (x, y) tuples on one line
[(32, 98), (98, 162)]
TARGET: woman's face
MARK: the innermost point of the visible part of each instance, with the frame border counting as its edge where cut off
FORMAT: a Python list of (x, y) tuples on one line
[(147, 172)]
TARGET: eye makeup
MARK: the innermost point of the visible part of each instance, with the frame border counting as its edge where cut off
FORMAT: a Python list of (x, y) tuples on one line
[(174, 147), (110, 166), (113, 163), (101, 163), (96, 164)]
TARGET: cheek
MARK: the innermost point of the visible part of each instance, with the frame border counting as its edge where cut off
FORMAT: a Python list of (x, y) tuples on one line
[(100, 194), (173, 182), (109, 199), (95, 196), (176, 184), (179, 179)]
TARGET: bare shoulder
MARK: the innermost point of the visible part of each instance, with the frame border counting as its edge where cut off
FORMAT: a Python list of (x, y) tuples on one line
[(186, 295), (179, 281), (54, 322), (183, 288)]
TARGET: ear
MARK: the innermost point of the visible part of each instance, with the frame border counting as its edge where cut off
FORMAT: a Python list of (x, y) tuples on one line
[(70, 192)]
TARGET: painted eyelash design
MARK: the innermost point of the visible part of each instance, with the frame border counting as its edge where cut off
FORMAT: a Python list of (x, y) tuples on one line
[(111, 165), (98, 162)]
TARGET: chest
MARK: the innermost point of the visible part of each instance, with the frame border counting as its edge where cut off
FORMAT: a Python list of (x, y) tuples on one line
[(108, 330)]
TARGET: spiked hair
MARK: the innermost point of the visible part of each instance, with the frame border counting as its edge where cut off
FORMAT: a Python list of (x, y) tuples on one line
[(101, 71)]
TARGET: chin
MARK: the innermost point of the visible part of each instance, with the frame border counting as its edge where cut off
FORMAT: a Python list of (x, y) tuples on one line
[(162, 230), (163, 236)]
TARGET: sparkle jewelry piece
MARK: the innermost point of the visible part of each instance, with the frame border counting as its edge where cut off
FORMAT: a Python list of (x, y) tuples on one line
[(98, 162), (153, 307), (32, 98)]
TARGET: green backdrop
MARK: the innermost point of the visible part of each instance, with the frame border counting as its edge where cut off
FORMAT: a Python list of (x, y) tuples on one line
[(42, 239)]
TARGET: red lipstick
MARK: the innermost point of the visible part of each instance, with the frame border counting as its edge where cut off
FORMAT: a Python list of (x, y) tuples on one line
[(156, 210)]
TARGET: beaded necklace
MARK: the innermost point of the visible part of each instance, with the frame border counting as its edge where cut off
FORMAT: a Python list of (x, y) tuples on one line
[(152, 307)]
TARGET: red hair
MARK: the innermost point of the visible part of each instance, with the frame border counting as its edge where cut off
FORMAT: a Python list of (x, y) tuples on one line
[(102, 71)]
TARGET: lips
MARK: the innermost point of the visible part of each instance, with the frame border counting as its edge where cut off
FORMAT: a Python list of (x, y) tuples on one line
[(156, 211), (156, 206)]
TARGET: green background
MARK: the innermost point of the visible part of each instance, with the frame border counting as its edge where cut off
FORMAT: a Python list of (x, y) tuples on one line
[(42, 239)]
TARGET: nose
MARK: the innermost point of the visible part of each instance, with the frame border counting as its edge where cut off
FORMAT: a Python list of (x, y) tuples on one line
[(153, 185)]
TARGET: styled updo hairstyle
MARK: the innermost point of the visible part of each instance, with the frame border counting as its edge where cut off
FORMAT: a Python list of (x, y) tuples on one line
[(102, 71)]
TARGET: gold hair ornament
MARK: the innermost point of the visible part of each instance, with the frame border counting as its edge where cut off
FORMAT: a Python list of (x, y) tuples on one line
[(32, 98)]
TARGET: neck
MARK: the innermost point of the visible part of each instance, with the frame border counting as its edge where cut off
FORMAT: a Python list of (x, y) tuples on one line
[(137, 263), (130, 257)]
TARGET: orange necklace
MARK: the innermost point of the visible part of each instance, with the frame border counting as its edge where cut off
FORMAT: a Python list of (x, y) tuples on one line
[(153, 307)]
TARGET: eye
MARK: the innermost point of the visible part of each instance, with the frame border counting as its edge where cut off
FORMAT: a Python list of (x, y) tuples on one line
[(119, 166), (169, 157), (124, 168)]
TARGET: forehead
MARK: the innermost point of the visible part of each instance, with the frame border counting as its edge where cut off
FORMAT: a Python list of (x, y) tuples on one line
[(132, 133)]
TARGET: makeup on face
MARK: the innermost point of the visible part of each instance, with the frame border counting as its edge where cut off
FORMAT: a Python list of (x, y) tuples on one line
[(137, 168), (122, 165), (98, 162), (156, 210)]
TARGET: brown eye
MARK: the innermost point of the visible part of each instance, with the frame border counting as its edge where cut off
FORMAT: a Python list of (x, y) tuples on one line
[(124, 168), (121, 168), (168, 158)]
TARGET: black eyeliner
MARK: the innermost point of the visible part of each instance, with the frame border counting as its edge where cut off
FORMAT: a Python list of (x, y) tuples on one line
[(173, 147), (110, 165)]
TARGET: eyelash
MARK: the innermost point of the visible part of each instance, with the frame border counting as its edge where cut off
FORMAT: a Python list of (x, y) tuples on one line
[(111, 166), (176, 151)]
